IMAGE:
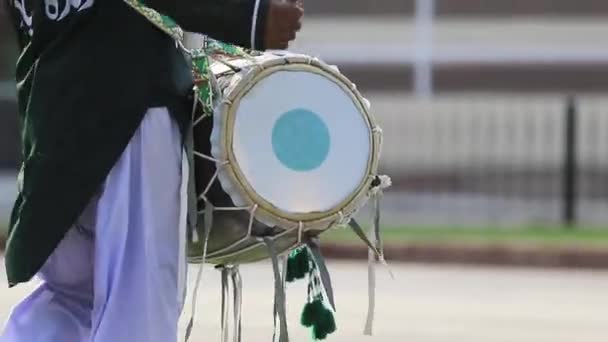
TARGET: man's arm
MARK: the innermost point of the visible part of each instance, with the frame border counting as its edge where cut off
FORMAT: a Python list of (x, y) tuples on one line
[(246, 23)]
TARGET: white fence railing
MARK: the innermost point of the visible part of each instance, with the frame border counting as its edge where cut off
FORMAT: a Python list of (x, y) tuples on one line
[(467, 131), (424, 41)]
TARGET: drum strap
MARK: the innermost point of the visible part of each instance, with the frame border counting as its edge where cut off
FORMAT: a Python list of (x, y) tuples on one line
[(237, 286), (354, 225), (207, 225), (224, 317), (315, 251), (280, 314), (198, 57), (163, 22), (231, 276), (192, 198), (374, 254), (371, 274)]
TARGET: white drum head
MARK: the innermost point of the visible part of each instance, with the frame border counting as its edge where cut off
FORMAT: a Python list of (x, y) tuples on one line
[(301, 141)]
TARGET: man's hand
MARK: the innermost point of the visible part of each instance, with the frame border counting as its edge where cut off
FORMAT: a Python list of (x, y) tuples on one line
[(282, 23)]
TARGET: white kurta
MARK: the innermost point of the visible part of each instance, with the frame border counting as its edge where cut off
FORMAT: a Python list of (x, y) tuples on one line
[(119, 274)]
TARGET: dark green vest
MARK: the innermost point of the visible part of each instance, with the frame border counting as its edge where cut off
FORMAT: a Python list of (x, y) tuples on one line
[(86, 77)]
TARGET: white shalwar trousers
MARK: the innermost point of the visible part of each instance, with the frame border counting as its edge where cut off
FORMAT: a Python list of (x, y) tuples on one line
[(119, 274)]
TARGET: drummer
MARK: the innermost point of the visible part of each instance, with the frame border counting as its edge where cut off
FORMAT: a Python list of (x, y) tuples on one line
[(103, 99)]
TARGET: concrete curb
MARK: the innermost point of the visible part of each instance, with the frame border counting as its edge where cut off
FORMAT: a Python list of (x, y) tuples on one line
[(499, 255)]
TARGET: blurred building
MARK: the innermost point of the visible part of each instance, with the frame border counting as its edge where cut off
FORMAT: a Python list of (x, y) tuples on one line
[(474, 97), (8, 120)]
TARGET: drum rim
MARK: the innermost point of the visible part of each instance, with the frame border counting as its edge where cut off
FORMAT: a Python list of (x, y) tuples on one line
[(227, 110)]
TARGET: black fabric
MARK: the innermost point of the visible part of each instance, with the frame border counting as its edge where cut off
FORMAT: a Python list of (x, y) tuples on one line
[(87, 73), (84, 85), (7, 7)]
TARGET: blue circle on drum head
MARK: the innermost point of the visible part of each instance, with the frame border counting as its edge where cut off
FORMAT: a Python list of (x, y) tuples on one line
[(300, 140)]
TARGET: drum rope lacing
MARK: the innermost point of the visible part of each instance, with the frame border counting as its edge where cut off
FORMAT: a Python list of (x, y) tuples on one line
[(372, 240), (209, 209), (203, 89), (279, 307), (375, 248), (231, 276)]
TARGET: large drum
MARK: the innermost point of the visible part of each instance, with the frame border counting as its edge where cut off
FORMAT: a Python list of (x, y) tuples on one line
[(289, 151)]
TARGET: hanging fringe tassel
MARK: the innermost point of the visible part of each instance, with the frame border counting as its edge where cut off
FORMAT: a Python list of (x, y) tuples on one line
[(372, 259), (317, 314), (318, 262), (207, 225), (279, 295), (374, 243), (298, 264), (310, 313), (318, 317), (224, 318), (231, 277), (237, 286), (325, 324)]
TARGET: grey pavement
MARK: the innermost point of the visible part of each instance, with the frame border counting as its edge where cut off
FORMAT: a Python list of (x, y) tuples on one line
[(425, 304)]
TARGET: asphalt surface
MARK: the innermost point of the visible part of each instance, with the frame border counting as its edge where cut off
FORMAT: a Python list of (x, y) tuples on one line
[(425, 304)]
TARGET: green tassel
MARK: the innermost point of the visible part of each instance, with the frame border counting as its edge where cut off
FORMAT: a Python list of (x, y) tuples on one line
[(325, 325), (320, 318), (312, 311), (291, 266), (298, 265), (303, 262), (315, 314)]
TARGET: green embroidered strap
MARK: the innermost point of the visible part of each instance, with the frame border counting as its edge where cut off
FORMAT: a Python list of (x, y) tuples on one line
[(202, 80), (166, 24), (199, 58), (216, 47)]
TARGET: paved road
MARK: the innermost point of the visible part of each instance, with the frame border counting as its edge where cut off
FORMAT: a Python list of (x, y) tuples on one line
[(425, 304)]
